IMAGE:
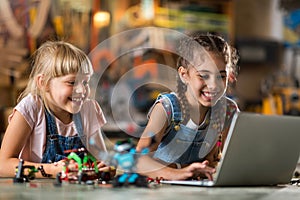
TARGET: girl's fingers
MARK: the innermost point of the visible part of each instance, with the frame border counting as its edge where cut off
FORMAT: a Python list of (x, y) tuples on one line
[(209, 176), (103, 169), (101, 165), (202, 168)]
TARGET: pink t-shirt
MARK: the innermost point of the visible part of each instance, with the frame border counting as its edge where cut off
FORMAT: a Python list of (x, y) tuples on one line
[(32, 108)]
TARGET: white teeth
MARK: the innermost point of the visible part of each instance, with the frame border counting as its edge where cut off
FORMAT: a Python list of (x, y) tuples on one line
[(77, 99), (208, 94)]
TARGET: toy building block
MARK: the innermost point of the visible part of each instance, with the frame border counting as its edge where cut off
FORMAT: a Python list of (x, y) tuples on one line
[(81, 170), (21, 176)]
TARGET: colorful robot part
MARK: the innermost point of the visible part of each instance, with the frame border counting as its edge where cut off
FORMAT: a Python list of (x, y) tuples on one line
[(81, 170), (125, 158), (21, 176)]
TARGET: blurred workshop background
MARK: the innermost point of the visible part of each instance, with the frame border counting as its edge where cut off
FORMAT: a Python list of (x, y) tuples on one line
[(265, 32)]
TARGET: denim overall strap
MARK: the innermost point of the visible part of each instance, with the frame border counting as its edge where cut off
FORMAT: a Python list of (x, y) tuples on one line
[(51, 125), (56, 144), (175, 145), (79, 128), (175, 109)]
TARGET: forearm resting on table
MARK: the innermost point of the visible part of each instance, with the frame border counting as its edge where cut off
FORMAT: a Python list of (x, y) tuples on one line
[(154, 169), (9, 168), (151, 168)]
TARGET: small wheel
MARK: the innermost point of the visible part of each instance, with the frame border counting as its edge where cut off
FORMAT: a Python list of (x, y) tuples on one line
[(116, 183), (58, 180), (58, 177), (142, 181), (104, 176), (82, 178)]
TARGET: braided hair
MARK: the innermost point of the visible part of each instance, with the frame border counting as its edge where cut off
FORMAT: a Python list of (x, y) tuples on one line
[(190, 47)]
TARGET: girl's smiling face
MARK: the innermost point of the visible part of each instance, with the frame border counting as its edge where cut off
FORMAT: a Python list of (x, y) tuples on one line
[(66, 94), (207, 82)]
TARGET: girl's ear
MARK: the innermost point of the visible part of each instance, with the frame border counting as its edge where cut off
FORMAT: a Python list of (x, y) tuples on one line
[(182, 74), (40, 81)]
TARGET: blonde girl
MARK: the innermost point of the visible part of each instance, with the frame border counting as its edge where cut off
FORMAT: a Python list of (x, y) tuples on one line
[(54, 113)]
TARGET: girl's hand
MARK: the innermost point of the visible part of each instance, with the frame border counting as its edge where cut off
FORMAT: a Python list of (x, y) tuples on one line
[(104, 168), (197, 169), (202, 170), (57, 167)]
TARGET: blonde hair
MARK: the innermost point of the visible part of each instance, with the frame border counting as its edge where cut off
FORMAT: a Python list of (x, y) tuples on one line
[(55, 59)]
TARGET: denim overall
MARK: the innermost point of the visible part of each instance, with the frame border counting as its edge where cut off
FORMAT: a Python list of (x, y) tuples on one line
[(188, 145), (56, 144)]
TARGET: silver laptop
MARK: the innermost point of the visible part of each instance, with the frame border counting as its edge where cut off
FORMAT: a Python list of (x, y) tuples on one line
[(260, 150)]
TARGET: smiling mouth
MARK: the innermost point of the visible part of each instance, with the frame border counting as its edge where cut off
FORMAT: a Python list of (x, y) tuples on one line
[(210, 95), (76, 99)]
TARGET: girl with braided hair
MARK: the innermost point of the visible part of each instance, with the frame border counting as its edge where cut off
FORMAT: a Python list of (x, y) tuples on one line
[(191, 125)]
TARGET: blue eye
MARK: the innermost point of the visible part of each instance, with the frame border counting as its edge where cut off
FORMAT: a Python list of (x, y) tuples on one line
[(204, 76)]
